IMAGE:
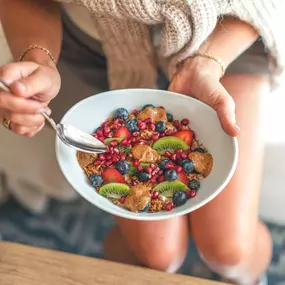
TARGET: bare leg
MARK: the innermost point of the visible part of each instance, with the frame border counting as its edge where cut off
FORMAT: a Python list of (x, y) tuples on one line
[(227, 232), (160, 245)]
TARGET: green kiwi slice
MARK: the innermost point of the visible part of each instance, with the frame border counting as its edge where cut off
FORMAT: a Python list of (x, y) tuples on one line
[(114, 190), (121, 148), (108, 140), (169, 144), (167, 188)]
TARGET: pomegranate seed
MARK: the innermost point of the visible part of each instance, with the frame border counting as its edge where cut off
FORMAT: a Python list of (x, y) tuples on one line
[(154, 195), (115, 159), (116, 151), (162, 135), (124, 142), (153, 180), (101, 139), (169, 132), (185, 122), (188, 151), (106, 130), (132, 140), (194, 135), (148, 169), (113, 143), (160, 179), (183, 155), (135, 183), (135, 112), (169, 165), (147, 121), (116, 127), (122, 199), (110, 135), (174, 156), (150, 192), (108, 157), (140, 168), (95, 136), (128, 144), (179, 151), (168, 207), (117, 121), (193, 193), (178, 168), (162, 107), (105, 124), (109, 163), (160, 172), (136, 163), (97, 162), (136, 134), (141, 125), (143, 142), (102, 157), (153, 166), (155, 137), (123, 156), (168, 154), (99, 132), (151, 126), (155, 171), (188, 193), (176, 124)]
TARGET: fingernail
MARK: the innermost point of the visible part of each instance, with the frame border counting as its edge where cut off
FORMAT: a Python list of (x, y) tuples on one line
[(44, 110), (21, 86), (237, 127)]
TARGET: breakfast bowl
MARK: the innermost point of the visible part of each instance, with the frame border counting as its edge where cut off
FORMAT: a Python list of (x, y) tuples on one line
[(208, 143)]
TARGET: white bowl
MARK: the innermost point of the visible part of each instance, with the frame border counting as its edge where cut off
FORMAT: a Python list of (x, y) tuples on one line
[(89, 113)]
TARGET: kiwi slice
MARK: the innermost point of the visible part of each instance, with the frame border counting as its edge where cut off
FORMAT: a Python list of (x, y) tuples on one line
[(114, 190), (167, 188), (169, 144), (121, 148)]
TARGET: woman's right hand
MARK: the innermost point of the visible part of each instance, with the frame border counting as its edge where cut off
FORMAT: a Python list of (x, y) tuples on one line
[(32, 86)]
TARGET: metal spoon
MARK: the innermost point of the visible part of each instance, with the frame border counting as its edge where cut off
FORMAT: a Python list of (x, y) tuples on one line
[(70, 135)]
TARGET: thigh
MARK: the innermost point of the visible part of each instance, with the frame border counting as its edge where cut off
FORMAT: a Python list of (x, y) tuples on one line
[(230, 220)]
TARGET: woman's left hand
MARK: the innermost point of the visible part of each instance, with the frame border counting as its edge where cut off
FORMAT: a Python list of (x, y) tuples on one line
[(200, 78)]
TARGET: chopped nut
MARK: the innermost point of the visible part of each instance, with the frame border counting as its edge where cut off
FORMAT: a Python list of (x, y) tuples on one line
[(156, 114), (203, 162), (156, 206), (85, 159), (195, 176), (144, 153)]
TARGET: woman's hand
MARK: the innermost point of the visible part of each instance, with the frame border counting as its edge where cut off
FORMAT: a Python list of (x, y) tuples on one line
[(200, 78), (33, 86)]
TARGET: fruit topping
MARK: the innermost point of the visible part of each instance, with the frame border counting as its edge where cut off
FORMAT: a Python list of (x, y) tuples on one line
[(114, 190), (170, 175), (179, 198), (167, 188), (132, 125), (143, 176), (200, 149), (123, 167), (160, 126), (148, 106), (96, 180), (203, 162), (154, 114), (169, 117), (194, 184), (111, 175), (183, 177), (186, 136), (122, 113), (188, 166), (169, 144), (123, 133)]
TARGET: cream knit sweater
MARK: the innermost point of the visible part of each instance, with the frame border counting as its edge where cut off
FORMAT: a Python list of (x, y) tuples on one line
[(123, 27)]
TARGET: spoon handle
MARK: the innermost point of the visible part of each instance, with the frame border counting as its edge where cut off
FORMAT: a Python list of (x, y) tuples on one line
[(6, 88)]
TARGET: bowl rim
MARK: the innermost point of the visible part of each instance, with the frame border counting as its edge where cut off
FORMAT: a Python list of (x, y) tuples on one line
[(148, 216)]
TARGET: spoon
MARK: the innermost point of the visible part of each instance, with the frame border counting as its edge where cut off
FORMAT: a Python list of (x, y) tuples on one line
[(70, 135)]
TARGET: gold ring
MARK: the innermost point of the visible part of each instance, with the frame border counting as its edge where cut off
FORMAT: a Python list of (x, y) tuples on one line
[(6, 123)]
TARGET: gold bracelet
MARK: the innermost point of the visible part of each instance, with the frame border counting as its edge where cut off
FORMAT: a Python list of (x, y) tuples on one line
[(216, 59), (37, 47)]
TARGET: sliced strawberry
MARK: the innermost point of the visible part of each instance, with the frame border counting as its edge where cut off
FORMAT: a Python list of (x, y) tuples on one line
[(112, 175), (183, 177), (123, 133), (186, 136)]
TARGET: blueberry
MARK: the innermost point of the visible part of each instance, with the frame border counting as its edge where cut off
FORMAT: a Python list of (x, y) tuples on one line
[(145, 209), (169, 117), (160, 126), (200, 149), (188, 166), (132, 125), (194, 184), (170, 175), (123, 167), (179, 198), (144, 176), (163, 163), (96, 180), (122, 113), (148, 106)]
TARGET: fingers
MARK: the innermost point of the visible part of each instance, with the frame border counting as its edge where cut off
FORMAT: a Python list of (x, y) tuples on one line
[(25, 131)]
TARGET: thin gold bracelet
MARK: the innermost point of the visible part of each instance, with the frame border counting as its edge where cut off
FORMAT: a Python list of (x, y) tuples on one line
[(37, 47), (215, 58)]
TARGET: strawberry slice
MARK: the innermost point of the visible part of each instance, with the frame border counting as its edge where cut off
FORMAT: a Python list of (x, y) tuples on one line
[(183, 177), (112, 175), (186, 136), (123, 133)]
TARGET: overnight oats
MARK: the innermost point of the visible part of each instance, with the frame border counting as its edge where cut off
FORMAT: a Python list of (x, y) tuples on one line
[(153, 162)]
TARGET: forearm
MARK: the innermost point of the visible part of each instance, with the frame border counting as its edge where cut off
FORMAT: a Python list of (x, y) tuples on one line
[(230, 38), (32, 22)]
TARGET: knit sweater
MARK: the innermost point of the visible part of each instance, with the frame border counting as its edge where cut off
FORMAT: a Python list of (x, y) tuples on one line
[(124, 30)]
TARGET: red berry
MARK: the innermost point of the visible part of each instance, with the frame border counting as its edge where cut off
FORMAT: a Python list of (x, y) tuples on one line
[(105, 124), (169, 165), (188, 193), (115, 159), (153, 180), (147, 121), (113, 143), (160, 172), (155, 171), (155, 137), (183, 155), (193, 193), (136, 163), (162, 107), (176, 124), (109, 163), (97, 162), (122, 199), (168, 154), (123, 156), (174, 156), (102, 157), (148, 169), (117, 121), (100, 132), (154, 195), (106, 130), (108, 157), (110, 135), (169, 132), (141, 125), (128, 144), (116, 151), (136, 134), (124, 142), (132, 140), (178, 168), (101, 139), (179, 151), (140, 168), (185, 122), (160, 179), (135, 112), (95, 136), (153, 166), (168, 207), (151, 127)]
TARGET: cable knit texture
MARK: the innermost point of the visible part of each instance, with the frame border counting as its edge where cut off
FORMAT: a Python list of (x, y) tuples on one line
[(124, 29)]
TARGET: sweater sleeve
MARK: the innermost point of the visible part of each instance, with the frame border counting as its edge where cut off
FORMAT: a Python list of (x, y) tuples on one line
[(267, 17)]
